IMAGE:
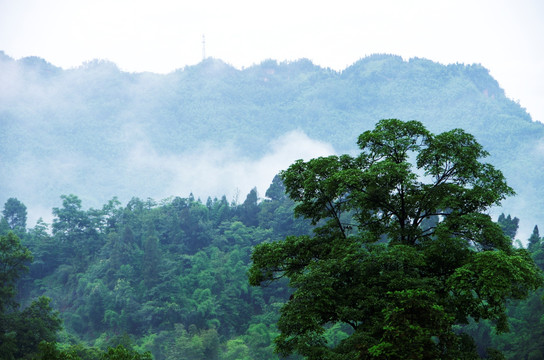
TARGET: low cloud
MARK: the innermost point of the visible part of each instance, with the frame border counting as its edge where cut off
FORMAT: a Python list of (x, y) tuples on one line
[(212, 170), (140, 170)]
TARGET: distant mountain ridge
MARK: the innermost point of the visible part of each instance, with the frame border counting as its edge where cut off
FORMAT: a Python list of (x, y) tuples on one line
[(98, 132)]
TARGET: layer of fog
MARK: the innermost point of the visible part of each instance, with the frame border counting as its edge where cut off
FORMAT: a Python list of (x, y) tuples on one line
[(143, 172), (213, 170), (52, 121)]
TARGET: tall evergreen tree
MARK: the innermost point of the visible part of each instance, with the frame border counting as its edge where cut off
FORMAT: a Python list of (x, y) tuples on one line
[(249, 210), (534, 240)]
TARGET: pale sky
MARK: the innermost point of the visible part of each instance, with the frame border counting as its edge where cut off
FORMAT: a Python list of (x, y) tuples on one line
[(504, 36)]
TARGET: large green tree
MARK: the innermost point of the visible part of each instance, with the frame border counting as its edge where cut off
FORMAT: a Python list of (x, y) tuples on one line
[(403, 250)]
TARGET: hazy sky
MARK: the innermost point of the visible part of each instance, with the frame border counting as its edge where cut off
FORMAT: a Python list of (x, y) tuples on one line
[(161, 35)]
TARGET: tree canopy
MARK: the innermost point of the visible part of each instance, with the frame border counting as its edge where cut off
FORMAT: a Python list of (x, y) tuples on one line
[(14, 259), (403, 250), (21, 331), (15, 213)]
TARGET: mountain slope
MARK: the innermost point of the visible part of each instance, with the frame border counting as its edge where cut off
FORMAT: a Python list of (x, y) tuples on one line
[(210, 129)]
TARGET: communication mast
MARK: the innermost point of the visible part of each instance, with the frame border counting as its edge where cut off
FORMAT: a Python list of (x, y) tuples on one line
[(203, 48)]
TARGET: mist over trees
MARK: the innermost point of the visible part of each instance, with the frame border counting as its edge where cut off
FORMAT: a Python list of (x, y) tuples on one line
[(169, 279), (151, 187), (126, 134)]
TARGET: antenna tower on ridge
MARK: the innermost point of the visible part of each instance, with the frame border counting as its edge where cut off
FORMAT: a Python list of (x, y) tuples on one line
[(203, 48)]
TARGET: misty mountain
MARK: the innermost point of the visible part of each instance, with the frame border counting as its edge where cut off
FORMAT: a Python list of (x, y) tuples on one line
[(210, 129)]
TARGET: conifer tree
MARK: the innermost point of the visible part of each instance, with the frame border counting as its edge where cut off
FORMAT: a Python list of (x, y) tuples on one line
[(534, 240)]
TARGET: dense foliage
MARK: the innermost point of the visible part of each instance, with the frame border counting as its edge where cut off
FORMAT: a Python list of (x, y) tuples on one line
[(384, 252), (168, 278), (403, 252), (201, 306)]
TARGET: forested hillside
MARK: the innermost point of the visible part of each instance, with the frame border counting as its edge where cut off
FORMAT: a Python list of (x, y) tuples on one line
[(99, 132), (168, 277), (148, 233)]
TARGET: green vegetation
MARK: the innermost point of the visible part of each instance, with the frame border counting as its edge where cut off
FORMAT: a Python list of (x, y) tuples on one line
[(166, 278), (21, 331), (400, 256), (390, 253)]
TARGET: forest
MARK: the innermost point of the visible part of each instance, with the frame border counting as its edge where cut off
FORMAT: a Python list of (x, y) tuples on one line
[(125, 233), (169, 279), (166, 277)]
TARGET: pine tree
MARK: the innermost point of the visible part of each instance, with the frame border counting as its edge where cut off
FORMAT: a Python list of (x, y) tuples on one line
[(534, 240)]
